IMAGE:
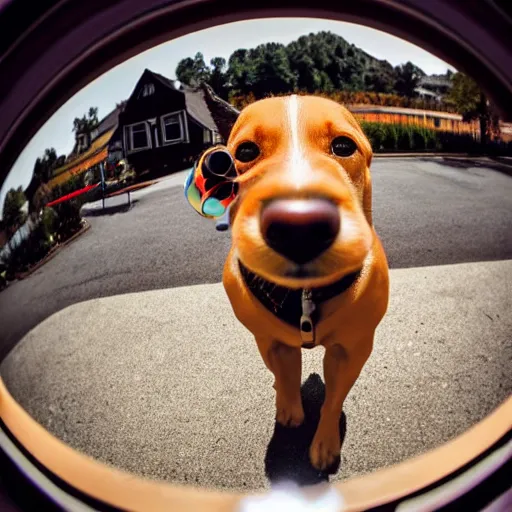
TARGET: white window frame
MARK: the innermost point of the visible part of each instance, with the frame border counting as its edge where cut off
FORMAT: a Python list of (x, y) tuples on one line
[(128, 137), (183, 127), (207, 136), (147, 90)]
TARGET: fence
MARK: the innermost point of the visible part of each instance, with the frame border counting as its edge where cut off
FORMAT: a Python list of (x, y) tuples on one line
[(439, 121)]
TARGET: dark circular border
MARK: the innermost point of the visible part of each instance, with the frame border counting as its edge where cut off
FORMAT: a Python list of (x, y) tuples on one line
[(51, 49)]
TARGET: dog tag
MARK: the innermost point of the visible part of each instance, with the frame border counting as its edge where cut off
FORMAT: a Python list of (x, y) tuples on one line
[(307, 330)]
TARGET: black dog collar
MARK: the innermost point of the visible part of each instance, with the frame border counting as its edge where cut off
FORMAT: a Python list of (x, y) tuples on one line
[(295, 307)]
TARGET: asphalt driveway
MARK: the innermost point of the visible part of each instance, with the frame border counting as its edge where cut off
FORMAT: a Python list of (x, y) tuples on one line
[(151, 374)]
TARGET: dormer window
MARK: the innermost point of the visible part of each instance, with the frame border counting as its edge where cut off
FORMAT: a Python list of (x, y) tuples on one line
[(82, 142), (147, 90)]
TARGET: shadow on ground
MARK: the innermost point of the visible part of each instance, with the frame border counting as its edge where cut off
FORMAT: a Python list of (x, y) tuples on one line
[(287, 457), (494, 163), (108, 210)]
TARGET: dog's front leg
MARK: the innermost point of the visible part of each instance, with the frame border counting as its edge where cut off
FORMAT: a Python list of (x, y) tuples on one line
[(285, 363), (341, 369)]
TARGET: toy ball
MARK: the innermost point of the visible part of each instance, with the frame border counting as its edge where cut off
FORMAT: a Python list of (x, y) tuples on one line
[(210, 187)]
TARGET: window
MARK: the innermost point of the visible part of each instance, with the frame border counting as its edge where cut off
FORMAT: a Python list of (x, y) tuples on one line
[(147, 90), (173, 128), (137, 137), (82, 143), (207, 137)]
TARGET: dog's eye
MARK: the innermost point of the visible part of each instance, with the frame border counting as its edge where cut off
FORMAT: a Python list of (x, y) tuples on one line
[(343, 146), (247, 152)]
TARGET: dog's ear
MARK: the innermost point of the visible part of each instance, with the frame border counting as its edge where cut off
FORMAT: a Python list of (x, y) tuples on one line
[(210, 186), (224, 114), (367, 197)]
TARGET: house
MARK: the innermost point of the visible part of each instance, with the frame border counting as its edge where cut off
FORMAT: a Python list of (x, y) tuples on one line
[(438, 84), (165, 126), (92, 149), (424, 93)]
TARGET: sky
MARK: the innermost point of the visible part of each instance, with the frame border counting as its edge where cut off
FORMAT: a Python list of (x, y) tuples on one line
[(118, 83)]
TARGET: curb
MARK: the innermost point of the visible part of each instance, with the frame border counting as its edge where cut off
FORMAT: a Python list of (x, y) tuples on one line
[(501, 164), (428, 155), (54, 252)]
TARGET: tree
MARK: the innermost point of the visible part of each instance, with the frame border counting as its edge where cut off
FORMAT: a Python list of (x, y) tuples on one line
[(471, 102), (407, 77), (194, 71), (218, 79), (315, 63), (271, 68), (303, 66), (44, 165), (87, 122), (240, 73), (12, 213), (185, 72)]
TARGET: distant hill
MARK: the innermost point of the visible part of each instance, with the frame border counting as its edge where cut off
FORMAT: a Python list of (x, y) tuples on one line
[(322, 62)]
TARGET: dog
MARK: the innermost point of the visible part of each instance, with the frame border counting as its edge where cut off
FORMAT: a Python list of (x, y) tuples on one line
[(306, 267)]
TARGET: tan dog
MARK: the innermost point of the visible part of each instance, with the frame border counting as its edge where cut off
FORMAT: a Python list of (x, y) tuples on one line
[(306, 267)]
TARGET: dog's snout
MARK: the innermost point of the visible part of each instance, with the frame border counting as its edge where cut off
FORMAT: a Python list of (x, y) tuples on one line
[(300, 229)]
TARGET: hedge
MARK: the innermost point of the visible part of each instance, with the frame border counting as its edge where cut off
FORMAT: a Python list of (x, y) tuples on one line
[(386, 137)]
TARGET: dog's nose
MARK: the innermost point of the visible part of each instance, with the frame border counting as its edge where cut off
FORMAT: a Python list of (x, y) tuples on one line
[(300, 229)]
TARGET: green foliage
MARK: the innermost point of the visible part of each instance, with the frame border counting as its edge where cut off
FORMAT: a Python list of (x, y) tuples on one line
[(56, 224), (68, 219), (407, 77), (470, 101), (193, 71), (217, 78), (35, 247), (466, 96), (29, 251), (12, 214), (322, 62), (49, 222), (87, 122), (44, 165), (386, 137)]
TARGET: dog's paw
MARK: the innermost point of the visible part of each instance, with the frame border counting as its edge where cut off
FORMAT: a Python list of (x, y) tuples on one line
[(324, 452), (289, 415)]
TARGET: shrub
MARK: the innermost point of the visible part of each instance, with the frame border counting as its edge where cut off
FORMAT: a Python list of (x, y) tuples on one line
[(406, 137), (68, 220), (49, 221), (31, 250)]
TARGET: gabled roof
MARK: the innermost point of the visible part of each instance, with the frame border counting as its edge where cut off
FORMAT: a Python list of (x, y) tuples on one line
[(109, 121), (197, 107), (194, 100), (95, 154), (161, 78)]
